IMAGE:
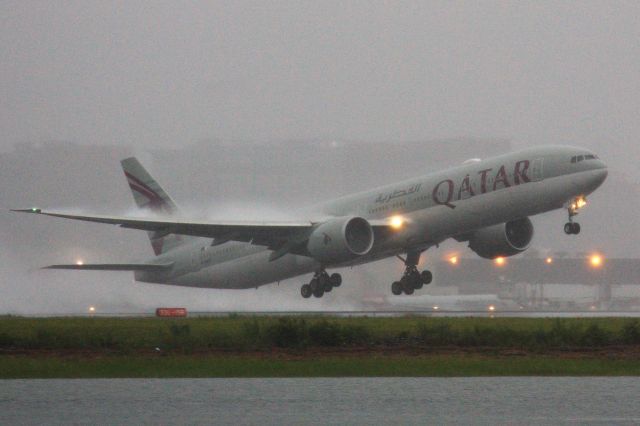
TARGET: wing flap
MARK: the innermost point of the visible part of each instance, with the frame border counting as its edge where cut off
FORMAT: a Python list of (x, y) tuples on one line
[(115, 267)]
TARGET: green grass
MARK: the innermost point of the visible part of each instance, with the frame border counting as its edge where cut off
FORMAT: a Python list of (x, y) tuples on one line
[(239, 333), (376, 366), (312, 346)]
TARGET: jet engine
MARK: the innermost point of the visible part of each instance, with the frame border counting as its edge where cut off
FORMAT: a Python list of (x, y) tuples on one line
[(505, 239), (340, 240)]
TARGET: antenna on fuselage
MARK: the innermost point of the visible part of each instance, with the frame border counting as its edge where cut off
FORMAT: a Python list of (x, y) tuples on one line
[(472, 160)]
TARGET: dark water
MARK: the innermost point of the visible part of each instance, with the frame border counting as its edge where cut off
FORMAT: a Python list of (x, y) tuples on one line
[(322, 401)]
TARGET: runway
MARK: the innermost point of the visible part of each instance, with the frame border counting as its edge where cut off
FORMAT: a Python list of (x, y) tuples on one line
[(367, 313)]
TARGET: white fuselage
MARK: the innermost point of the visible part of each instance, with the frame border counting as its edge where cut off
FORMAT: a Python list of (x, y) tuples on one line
[(434, 207)]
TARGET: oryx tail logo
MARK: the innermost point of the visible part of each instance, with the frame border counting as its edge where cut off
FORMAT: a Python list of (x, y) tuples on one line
[(146, 197), (154, 201)]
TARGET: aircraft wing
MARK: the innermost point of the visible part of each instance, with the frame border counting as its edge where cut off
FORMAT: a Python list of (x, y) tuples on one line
[(282, 237), (115, 267), (271, 234)]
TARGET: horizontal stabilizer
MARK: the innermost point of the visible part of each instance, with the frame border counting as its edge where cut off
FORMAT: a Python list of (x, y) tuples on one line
[(115, 267)]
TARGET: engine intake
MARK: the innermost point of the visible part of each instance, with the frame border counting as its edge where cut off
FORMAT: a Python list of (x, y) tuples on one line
[(340, 240), (505, 239)]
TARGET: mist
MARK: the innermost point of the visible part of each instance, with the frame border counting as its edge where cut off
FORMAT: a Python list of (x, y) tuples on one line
[(248, 110)]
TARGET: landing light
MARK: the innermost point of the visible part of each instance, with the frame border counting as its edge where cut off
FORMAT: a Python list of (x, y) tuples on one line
[(549, 260), (453, 260), (492, 308), (581, 202), (595, 260), (396, 222), (92, 309), (79, 262), (578, 203), (435, 308), (500, 261)]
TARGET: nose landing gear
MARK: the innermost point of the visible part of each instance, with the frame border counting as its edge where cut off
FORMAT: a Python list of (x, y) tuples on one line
[(571, 227), (412, 279), (320, 284)]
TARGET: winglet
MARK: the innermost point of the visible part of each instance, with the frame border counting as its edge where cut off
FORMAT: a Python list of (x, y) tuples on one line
[(34, 210), (147, 267)]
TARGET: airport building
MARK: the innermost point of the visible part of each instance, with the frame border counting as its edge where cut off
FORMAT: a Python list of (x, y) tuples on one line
[(590, 282)]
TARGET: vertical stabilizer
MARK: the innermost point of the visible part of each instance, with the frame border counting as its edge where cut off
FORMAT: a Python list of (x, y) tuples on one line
[(149, 195)]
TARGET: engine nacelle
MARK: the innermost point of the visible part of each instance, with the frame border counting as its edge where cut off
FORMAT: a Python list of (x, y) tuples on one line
[(505, 239), (341, 239)]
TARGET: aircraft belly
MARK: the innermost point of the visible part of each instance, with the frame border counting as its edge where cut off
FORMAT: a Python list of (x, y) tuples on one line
[(248, 272), (441, 222)]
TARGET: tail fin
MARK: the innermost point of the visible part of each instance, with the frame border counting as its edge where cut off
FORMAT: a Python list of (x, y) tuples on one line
[(148, 194), (146, 191)]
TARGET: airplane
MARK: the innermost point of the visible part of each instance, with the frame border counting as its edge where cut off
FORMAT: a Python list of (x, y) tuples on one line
[(486, 203)]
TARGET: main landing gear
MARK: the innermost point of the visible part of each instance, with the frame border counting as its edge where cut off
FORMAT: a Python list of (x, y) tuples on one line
[(320, 284), (412, 279), (571, 227)]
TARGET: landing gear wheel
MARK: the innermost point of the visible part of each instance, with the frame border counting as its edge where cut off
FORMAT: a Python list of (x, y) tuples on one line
[(320, 284), (426, 276), (568, 228), (572, 228), (314, 284), (576, 228), (318, 292), (305, 291), (336, 280), (415, 280), (412, 279), (324, 282), (407, 286)]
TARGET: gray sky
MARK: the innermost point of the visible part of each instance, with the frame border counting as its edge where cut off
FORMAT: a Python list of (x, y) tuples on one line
[(155, 75), (161, 74)]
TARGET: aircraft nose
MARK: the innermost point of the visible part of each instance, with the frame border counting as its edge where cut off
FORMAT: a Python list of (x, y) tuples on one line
[(599, 175)]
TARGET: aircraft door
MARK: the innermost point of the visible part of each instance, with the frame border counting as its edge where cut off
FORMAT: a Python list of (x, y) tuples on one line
[(195, 260), (537, 170)]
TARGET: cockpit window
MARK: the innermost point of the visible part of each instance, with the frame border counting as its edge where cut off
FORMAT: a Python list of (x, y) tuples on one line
[(579, 158)]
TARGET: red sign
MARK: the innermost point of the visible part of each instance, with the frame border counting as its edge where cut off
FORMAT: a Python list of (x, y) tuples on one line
[(171, 312)]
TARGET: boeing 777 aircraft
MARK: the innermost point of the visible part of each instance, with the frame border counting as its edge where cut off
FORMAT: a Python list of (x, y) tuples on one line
[(486, 203)]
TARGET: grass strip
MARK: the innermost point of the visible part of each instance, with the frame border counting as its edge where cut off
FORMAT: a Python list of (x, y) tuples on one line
[(243, 333), (314, 346)]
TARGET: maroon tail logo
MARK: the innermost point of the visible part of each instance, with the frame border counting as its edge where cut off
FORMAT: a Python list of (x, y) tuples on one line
[(155, 203)]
